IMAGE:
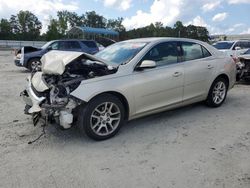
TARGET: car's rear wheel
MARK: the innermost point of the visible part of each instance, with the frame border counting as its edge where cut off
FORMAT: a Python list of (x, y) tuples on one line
[(33, 64), (217, 93), (102, 117)]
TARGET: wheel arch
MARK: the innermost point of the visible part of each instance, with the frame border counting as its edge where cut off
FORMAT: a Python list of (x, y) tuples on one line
[(121, 97), (30, 58), (224, 76), (36, 57)]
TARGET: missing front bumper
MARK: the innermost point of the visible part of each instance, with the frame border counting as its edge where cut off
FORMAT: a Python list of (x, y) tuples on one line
[(31, 99)]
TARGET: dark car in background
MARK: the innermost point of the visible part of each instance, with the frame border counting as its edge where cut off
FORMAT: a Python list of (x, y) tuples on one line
[(29, 56)]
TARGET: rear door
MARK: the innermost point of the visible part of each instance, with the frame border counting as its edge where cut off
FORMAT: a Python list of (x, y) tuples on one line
[(161, 86), (198, 67)]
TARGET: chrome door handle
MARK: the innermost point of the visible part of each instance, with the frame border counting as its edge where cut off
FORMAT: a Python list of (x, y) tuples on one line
[(210, 67), (176, 74)]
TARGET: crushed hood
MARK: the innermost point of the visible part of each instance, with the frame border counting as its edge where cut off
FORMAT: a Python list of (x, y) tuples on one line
[(54, 62), (246, 56)]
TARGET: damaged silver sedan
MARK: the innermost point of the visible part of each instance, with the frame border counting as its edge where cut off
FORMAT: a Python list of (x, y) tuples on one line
[(127, 80)]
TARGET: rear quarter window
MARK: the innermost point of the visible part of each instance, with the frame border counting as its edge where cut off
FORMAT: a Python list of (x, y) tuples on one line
[(206, 53), (90, 44)]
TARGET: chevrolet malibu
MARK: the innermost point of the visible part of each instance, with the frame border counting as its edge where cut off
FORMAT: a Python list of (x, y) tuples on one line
[(126, 80)]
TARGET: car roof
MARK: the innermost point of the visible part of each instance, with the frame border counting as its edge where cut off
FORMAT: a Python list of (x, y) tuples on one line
[(226, 41), (72, 40), (161, 39), (234, 40)]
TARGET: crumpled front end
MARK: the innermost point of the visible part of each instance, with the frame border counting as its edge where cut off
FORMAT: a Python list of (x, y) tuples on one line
[(53, 103), (245, 67), (48, 92)]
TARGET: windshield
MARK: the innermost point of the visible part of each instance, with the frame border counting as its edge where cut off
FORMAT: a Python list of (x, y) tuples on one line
[(121, 53), (46, 45), (223, 45), (248, 51)]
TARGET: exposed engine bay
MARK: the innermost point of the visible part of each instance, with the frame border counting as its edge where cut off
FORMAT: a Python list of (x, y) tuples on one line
[(243, 68), (47, 96)]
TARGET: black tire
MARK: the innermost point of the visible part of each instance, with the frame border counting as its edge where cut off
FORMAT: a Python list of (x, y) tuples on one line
[(87, 112), (31, 61), (238, 77), (210, 98), (247, 79)]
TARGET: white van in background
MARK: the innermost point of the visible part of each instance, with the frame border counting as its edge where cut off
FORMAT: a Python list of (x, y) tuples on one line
[(233, 48)]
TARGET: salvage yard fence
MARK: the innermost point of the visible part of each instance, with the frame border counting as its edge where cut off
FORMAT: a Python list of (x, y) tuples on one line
[(14, 44)]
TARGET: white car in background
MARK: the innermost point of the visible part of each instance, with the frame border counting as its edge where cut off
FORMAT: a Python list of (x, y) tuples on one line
[(233, 48)]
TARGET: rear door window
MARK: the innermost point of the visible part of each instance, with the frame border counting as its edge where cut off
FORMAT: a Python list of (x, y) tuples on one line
[(73, 45), (90, 44), (191, 51), (62, 45)]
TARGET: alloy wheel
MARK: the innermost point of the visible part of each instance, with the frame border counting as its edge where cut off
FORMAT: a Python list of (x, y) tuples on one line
[(219, 92), (35, 64), (105, 118)]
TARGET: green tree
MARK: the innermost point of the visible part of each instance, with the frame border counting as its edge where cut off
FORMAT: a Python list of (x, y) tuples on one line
[(116, 24), (5, 29), (197, 32), (158, 25), (25, 25), (14, 24), (180, 29), (75, 20), (68, 19), (62, 21), (94, 20), (53, 31)]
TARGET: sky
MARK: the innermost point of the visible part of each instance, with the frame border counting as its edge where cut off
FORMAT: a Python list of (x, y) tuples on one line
[(219, 16)]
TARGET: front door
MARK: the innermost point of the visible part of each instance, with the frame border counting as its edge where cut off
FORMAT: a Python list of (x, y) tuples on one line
[(161, 86)]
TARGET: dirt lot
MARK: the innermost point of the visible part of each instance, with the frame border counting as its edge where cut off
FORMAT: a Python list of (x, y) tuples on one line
[(192, 147)]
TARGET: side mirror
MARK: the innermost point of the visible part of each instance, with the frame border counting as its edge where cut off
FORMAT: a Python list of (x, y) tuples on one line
[(147, 64), (237, 48)]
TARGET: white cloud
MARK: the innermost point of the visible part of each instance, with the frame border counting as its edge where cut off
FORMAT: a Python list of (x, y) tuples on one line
[(220, 17), (238, 1), (197, 21), (210, 6), (235, 28), (165, 11), (41, 8), (247, 31), (120, 4)]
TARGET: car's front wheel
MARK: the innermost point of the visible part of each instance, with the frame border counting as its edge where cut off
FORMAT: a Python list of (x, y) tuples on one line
[(217, 93), (102, 117), (33, 64)]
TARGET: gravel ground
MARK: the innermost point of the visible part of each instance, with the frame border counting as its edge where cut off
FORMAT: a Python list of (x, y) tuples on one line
[(191, 147)]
